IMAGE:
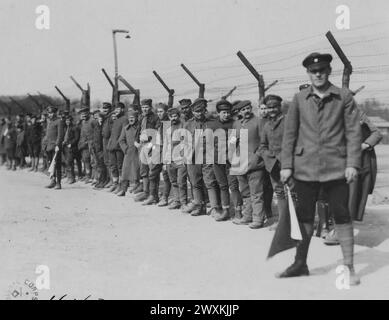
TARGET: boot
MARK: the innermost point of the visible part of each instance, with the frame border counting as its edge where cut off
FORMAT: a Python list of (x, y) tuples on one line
[(215, 212), (119, 188), (51, 185), (150, 200), (256, 224), (134, 187), (237, 213), (299, 267), (32, 165), (224, 216), (123, 189), (163, 202), (174, 205), (138, 189), (141, 197), (198, 210), (114, 185), (72, 180), (247, 216), (58, 186), (188, 208)]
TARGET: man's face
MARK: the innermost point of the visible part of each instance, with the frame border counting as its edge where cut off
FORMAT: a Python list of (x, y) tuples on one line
[(174, 118), (199, 114), (263, 111), (118, 111), (84, 116), (146, 109), (185, 109), (161, 113), (104, 111), (50, 115), (33, 120), (319, 76), (68, 122), (43, 117), (132, 119), (224, 115), (246, 111), (274, 109)]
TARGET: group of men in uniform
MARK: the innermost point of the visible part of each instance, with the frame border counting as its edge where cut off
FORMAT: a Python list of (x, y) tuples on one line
[(322, 149)]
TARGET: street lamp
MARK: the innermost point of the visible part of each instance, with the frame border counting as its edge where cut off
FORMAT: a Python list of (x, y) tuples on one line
[(116, 89)]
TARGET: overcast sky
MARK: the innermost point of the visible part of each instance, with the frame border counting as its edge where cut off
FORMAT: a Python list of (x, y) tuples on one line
[(204, 34)]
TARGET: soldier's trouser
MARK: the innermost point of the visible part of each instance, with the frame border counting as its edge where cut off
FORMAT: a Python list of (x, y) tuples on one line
[(69, 160), (337, 195), (178, 177), (236, 195), (85, 154), (211, 185), (154, 177), (195, 173), (267, 194), (101, 170), (58, 164), (166, 184), (255, 180), (116, 161), (221, 175)]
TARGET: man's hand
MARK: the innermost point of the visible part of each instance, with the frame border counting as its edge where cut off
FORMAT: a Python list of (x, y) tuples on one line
[(350, 174), (365, 146), (285, 174), (56, 149)]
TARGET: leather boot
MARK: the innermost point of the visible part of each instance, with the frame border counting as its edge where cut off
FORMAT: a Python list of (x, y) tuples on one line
[(51, 185), (188, 208), (247, 216), (215, 212), (174, 205), (299, 267), (114, 184), (138, 189), (224, 216), (163, 202), (141, 197), (199, 210), (133, 187), (149, 201), (237, 213), (58, 186), (123, 189)]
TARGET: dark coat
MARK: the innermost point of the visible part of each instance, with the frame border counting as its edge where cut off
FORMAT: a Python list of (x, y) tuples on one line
[(322, 137), (106, 130), (128, 136), (86, 134), (117, 126), (72, 136), (10, 138), (254, 127), (271, 142), (54, 134)]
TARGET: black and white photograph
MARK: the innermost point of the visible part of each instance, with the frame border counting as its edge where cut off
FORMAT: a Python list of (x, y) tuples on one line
[(202, 152)]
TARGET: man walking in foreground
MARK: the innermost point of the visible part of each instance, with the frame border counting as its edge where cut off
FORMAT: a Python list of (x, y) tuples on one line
[(321, 150)]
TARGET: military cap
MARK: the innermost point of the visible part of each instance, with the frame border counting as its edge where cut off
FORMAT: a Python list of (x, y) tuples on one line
[(303, 86), (172, 111), (243, 104), (199, 103), (107, 105), (132, 113), (97, 111), (33, 116), (317, 60), (223, 105), (185, 102), (120, 105), (52, 109), (271, 97), (147, 102), (69, 117), (164, 106), (234, 104), (84, 110)]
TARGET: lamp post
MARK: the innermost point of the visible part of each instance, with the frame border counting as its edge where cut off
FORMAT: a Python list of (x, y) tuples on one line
[(116, 88)]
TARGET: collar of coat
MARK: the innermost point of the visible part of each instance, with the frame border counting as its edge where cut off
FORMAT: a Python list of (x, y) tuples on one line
[(276, 121), (244, 120), (332, 90), (128, 126)]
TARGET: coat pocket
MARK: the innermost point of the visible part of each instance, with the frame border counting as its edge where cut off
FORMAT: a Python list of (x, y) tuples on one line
[(299, 151)]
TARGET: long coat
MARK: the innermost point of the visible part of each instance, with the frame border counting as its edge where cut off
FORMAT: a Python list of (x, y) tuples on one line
[(54, 134), (322, 137), (360, 189), (271, 142), (86, 134), (117, 126), (128, 136)]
